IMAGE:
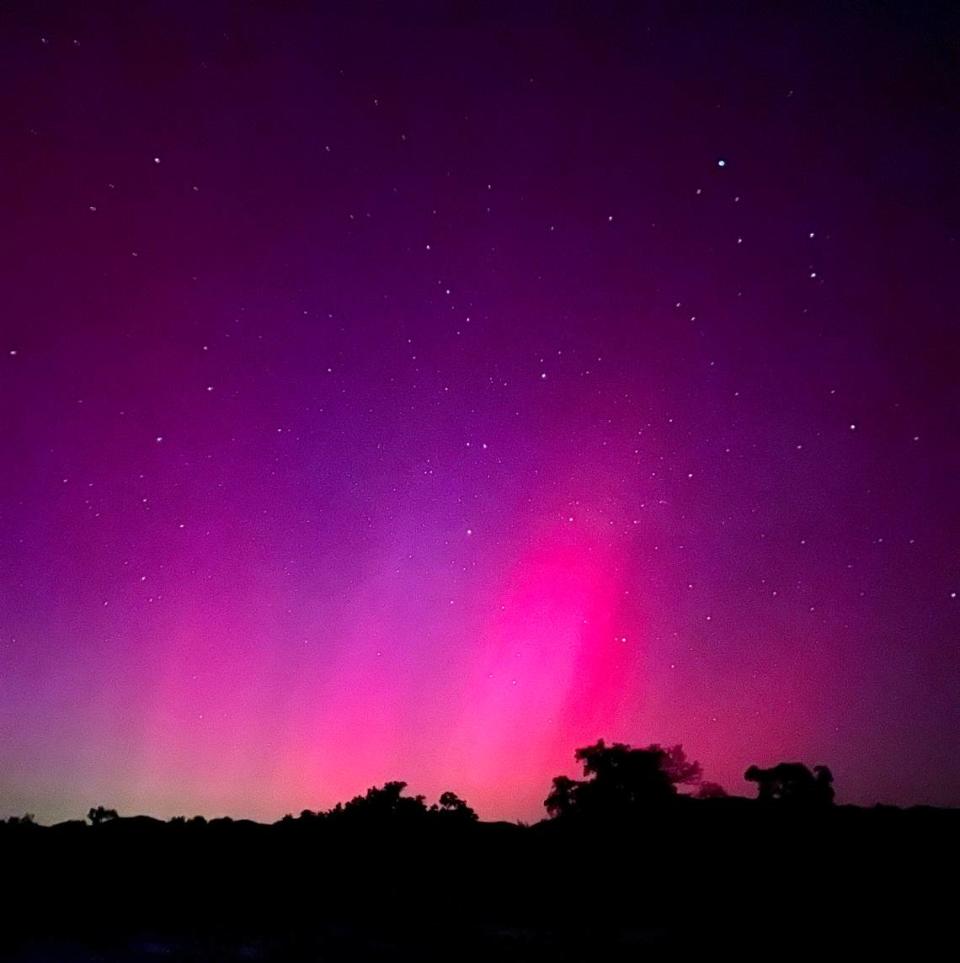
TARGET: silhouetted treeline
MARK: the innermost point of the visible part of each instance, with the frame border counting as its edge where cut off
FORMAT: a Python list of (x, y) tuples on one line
[(626, 865)]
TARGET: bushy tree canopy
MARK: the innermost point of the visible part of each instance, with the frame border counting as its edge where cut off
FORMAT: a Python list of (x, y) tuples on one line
[(620, 780)]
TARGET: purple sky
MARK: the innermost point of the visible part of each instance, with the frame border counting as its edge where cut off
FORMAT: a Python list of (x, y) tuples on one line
[(422, 394)]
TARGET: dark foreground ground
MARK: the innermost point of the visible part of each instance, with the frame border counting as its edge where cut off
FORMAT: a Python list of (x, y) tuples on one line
[(707, 876)]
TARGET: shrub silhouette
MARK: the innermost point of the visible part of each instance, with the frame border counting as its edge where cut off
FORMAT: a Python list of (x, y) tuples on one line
[(27, 819), (710, 790)]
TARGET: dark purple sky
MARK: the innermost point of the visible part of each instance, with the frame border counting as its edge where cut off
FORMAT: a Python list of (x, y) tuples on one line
[(424, 392)]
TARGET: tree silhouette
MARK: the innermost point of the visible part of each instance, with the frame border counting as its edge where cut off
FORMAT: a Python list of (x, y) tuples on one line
[(824, 791), (100, 815), (620, 780), (450, 804), (561, 800), (383, 803), (679, 770), (792, 782)]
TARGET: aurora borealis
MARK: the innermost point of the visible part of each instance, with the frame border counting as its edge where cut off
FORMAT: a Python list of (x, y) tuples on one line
[(422, 391)]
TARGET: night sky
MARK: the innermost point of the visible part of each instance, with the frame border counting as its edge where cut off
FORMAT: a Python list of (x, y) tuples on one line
[(421, 392)]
